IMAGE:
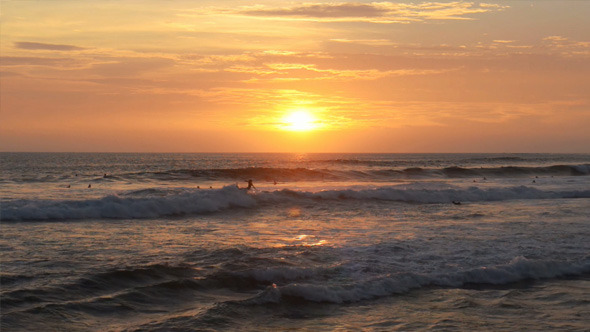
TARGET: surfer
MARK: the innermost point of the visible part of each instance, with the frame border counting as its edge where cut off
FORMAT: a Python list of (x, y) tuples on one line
[(456, 202), (250, 185)]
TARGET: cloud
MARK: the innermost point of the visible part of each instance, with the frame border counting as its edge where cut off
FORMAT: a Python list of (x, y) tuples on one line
[(369, 42), (348, 10), (37, 61), (376, 12), (300, 71), (44, 46), (131, 67), (563, 42), (9, 74)]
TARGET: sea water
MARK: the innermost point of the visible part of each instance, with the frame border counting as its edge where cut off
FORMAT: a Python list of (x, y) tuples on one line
[(347, 242)]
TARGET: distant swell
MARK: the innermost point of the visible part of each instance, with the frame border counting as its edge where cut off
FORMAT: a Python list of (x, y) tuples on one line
[(333, 171), (381, 173), (259, 173), (198, 201), (472, 194)]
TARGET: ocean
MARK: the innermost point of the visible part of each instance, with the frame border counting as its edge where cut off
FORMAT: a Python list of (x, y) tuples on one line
[(324, 242)]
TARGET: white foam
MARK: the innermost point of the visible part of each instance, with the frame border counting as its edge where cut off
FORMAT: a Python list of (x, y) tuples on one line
[(519, 269), (115, 207), (195, 201)]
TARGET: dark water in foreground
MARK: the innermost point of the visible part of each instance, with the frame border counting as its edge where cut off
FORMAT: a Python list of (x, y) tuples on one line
[(326, 242)]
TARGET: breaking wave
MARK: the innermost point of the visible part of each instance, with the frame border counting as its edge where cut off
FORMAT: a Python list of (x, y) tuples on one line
[(519, 269), (200, 201), (313, 293), (133, 285), (121, 207)]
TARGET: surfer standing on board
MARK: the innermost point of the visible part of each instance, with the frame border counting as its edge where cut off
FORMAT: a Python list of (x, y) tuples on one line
[(250, 185)]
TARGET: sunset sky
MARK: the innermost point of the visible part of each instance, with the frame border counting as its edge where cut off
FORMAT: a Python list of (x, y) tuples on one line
[(295, 76)]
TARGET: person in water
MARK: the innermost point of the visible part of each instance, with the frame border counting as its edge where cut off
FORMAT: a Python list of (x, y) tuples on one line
[(250, 185)]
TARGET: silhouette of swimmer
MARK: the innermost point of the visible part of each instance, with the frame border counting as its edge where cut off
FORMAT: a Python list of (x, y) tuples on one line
[(456, 202), (89, 186), (250, 185)]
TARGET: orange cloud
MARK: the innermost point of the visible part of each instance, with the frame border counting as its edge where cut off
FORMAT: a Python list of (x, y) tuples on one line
[(376, 12), (45, 46), (210, 65)]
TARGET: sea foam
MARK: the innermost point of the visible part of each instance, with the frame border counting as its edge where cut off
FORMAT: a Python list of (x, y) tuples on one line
[(117, 207), (519, 269), (198, 201)]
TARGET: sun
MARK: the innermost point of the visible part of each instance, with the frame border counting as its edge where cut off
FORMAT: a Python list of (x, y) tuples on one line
[(299, 120)]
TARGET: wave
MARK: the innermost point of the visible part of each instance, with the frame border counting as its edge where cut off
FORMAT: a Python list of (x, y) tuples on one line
[(139, 291), (258, 173), (519, 269), (116, 207), (493, 172), (96, 284), (433, 160), (472, 194), (140, 286), (305, 174), (313, 292), (200, 201), (8, 279), (361, 171), (145, 285)]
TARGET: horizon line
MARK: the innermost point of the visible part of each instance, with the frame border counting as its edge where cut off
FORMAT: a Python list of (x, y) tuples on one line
[(284, 152)]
